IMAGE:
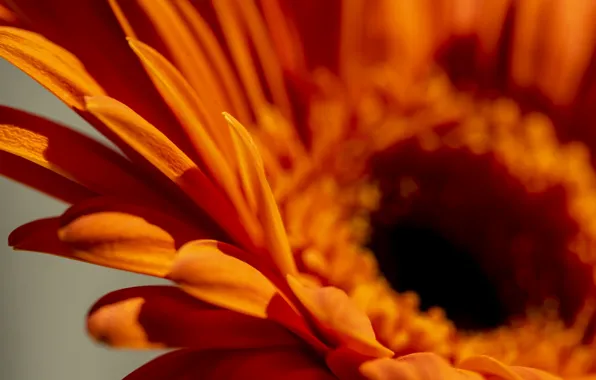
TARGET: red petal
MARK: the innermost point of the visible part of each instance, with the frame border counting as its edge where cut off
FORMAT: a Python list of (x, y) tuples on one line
[(88, 29), (165, 156), (71, 154), (177, 226), (338, 319), (121, 241), (165, 315), (42, 179), (39, 236), (176, 365), (269, 364)]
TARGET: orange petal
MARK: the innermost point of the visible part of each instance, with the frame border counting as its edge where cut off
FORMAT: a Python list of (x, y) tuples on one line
[(210, 137), (285, 39), (56, 69), (120, 241), (165, 316), (269, 62), (171, 161), (525, 54), (280, 309), (161, 25), (42, 179), (71, 154), (182, 231), (488, 366), (53, 67), (198, 121), (422, 366), (339, 319), (88, 30), (287, 364), (255, 182), (203, 32), (536, 374), (240, 52), (210, 275)]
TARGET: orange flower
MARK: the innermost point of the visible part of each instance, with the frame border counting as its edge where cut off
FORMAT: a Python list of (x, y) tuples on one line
[(201, 200)]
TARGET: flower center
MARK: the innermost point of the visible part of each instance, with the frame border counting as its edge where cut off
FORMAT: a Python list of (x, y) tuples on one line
[(459, 225), (420, 259)]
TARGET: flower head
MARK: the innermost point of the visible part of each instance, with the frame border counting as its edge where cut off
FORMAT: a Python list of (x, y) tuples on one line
[(272, 223)]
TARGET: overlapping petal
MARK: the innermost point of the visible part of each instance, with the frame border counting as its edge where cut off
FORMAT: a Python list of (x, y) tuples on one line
[(428, 366), (291, 364), (153, 316), (41, 179), (118, 73), (339, 319), (232, 305), (52, 66), (157, 149), (209, 274), (72, 155)]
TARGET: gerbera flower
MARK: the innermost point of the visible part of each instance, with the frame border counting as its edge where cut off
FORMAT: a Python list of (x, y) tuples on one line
[(199, 200)]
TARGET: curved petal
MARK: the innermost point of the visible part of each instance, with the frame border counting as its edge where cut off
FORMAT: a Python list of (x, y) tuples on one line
[(71, 154), (120, 241), (280, 309), (339, 320), (42, 179), (491, 367), (255, 182), (204, 32), (429, 366), (59, 71), (88, 29), (285, 39), (50, 65), (182, 231), (210, 275), (289, 364), (208, 133), (423, 366), (161, 25), (199, 122), (176, 365), (269, 62), (39, 236), (110, 232), (165, 316), (240, 53), (345, 363), (170, 160)]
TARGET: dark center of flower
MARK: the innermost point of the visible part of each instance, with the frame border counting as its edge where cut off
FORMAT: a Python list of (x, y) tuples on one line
[(466, 235), (419, 259)]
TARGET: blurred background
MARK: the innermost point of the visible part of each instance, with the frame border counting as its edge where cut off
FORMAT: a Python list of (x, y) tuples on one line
[(45, 299)]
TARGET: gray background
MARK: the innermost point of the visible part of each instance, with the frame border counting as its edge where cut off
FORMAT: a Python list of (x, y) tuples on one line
[(44, 299)]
